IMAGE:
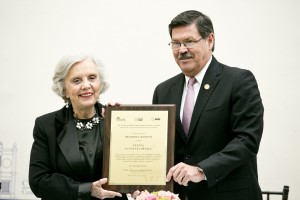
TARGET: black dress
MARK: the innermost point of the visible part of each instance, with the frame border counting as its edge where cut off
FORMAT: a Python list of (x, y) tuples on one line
[(90, 148)]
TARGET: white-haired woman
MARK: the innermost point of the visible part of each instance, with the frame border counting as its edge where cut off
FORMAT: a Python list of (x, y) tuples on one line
[(67, 153)]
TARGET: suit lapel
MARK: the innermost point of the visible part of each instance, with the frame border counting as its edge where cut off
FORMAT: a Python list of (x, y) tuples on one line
[(68, 144), (67, 139), (208, 85)]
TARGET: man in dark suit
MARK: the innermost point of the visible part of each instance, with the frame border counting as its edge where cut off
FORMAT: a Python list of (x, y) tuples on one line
[(215, 158)]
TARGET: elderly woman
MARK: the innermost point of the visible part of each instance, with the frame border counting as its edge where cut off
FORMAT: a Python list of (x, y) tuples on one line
[(66, 155)]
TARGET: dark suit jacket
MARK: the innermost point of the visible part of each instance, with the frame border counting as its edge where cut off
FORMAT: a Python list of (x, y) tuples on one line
[(56, 171), (224, 136)]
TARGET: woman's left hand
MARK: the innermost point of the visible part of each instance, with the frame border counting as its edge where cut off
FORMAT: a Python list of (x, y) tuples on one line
[(98, 192)]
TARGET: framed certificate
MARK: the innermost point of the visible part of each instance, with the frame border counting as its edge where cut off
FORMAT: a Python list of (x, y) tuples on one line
[(138, 147)]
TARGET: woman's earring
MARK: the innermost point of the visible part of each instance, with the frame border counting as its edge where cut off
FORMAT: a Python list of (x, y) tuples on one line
[(67, 102)]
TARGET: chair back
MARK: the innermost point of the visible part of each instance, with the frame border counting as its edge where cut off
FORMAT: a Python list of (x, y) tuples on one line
[(284, 193)]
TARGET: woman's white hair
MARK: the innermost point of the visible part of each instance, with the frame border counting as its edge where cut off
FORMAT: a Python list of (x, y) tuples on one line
[(63, 67)]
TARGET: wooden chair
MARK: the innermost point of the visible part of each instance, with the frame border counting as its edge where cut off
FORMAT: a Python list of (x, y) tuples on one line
[(284, 193)]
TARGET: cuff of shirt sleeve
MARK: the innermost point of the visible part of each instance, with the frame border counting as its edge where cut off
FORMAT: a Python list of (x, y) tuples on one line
[(202, 172), (84, 191)]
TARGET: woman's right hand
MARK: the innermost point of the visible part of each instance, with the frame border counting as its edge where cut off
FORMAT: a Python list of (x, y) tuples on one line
[(98, 192), (133, 195)]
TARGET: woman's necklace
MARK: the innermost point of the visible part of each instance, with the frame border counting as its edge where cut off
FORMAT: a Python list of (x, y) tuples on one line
[(82, 125)]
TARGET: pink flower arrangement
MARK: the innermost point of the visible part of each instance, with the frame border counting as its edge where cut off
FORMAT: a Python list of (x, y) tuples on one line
[(159, 195)]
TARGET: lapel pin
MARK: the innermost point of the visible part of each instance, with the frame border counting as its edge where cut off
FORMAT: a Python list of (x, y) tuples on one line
[(206, 86)]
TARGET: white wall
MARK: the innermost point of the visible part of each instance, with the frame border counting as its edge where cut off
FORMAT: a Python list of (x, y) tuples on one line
[(131, 37)]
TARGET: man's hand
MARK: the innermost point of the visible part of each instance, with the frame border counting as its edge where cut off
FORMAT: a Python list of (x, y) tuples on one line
[(109, 104), (183, 173)]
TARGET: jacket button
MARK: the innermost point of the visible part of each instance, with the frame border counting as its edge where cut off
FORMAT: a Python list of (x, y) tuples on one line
[(187, 157)]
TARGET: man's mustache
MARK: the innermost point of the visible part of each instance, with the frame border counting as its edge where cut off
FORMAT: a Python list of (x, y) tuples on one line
[(185, 55)]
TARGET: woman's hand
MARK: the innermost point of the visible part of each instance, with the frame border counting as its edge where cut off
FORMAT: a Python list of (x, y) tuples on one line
[(133, 195), (98, 192)]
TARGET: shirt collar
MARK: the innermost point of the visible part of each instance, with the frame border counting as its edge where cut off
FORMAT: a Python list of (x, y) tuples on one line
[(199, 77)]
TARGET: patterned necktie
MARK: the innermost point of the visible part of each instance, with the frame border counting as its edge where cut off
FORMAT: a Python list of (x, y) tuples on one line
[(188, 105)]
